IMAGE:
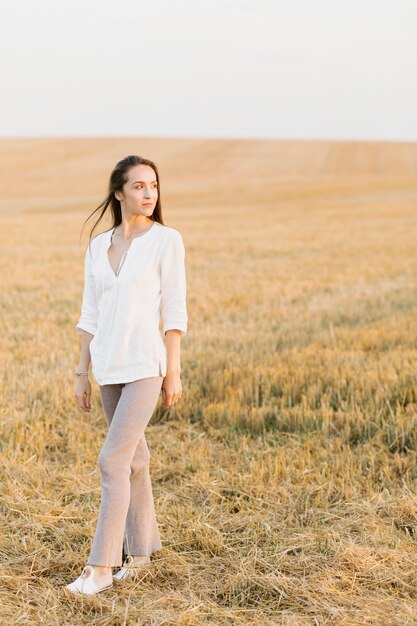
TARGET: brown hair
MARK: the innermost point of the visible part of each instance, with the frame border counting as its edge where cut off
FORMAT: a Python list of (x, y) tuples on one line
[(118, 178)]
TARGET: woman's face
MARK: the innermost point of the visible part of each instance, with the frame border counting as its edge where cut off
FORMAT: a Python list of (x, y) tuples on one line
[(140, 192)]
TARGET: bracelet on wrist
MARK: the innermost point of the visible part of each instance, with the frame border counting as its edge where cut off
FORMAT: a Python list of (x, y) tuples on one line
[(81, 373)]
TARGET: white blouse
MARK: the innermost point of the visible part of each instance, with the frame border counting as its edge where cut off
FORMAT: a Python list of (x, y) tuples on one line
[(123, 311)]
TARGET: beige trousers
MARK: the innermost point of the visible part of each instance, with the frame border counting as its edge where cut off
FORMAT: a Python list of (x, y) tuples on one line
[(126, 519)]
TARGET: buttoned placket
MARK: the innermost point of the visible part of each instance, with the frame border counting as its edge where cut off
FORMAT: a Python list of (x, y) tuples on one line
[(115, 277), (114, 292)]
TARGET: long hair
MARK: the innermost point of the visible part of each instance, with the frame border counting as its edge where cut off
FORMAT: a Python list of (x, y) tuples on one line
[(118, 178)]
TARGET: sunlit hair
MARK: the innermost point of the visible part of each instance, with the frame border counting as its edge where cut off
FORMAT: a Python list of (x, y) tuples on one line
[(118, 178)]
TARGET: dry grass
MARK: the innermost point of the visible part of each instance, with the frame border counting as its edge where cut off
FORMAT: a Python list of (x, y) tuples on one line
[(285, 479)]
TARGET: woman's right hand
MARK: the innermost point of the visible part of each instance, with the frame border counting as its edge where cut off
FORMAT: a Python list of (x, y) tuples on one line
[(83, 393)]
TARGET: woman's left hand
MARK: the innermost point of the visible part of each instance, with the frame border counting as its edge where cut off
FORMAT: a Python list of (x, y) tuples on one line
[(171, 389)]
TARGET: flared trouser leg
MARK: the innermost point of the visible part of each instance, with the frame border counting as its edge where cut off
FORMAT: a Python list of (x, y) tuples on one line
[(126, 516)]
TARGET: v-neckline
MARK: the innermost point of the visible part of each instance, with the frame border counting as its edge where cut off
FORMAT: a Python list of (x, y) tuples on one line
[(123, 259)]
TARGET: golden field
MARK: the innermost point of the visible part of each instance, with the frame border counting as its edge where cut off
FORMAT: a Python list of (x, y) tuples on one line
[(285, 478)]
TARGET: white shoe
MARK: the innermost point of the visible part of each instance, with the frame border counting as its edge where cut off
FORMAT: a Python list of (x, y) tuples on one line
[(85, 583), (129, 568)]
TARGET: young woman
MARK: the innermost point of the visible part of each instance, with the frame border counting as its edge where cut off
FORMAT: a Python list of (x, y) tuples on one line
[(133, 272)]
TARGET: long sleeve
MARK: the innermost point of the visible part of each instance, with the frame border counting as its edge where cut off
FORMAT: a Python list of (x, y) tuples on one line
[(89, 310), (173, 285)]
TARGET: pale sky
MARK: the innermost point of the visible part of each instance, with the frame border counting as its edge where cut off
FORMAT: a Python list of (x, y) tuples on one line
[(294, 69)]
